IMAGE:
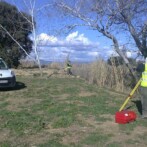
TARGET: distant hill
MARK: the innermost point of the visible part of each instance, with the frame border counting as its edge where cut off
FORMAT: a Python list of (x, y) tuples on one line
[(44, 62)]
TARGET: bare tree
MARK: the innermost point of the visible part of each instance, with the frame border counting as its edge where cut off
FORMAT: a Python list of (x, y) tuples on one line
[(132, 13), (11, 36), (30, 8), (110, 17), (32, 24), (33, 11)]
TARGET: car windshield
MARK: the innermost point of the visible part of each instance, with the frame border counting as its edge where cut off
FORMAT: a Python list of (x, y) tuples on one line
[(3, 64)]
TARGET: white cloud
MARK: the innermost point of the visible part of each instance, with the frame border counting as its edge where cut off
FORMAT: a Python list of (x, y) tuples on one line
[(129, 54), (76, 37), (72, 36), (93, 54), (44, 39), (72, 40), (78, 46)]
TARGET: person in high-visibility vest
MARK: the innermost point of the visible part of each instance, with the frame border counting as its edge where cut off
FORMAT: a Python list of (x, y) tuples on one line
[(143, 91), (68, 68)]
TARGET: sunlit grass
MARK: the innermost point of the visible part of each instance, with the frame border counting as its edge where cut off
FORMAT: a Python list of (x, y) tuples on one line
[(60, 112)]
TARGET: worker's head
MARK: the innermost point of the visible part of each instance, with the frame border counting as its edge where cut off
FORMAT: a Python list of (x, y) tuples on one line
[(140, 67), (145, 65)]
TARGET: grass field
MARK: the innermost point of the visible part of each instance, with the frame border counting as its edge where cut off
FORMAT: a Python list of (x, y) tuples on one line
[(65, 112)]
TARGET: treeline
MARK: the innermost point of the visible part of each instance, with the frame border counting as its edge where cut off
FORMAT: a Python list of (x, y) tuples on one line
[(110, 74)]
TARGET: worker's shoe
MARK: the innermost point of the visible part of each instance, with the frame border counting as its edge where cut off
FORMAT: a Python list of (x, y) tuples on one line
[(143, 117), (144, 113)]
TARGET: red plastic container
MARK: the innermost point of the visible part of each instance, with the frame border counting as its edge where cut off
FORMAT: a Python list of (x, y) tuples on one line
[(123, 117)]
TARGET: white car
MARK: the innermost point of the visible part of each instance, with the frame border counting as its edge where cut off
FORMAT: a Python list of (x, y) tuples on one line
[(7, 76)]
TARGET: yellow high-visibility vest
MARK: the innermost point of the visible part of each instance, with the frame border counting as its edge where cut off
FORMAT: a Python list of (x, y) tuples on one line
[(144, 77)]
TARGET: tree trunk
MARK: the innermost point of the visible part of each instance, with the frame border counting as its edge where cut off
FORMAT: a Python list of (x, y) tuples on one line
[(117, 49)]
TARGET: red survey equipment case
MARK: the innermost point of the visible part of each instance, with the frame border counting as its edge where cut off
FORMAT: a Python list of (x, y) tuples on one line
[(123, 117)]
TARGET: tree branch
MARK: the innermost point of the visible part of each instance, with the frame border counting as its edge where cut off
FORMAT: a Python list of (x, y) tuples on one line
[(16, 41)]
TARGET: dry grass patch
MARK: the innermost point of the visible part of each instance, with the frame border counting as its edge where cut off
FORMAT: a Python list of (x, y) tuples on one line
[(86, 94), (28, 72), (17, 104), (4, 134)]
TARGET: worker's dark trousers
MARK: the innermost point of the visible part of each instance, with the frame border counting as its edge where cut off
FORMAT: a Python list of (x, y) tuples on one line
[(69, 71), (143, 91)]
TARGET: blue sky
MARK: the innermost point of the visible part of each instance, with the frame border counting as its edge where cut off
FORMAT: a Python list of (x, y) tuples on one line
[(81, 44)]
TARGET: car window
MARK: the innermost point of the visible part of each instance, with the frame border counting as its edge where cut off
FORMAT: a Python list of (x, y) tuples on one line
[(3, 65)]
